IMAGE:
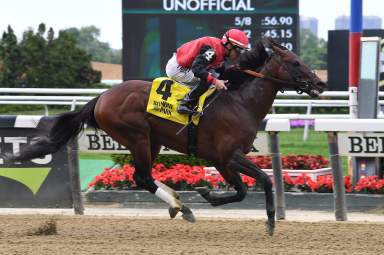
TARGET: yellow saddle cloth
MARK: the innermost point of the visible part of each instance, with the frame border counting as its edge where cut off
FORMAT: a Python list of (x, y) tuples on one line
[(164, 99)]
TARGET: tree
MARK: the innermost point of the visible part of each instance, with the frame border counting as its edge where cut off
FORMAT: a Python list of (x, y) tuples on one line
[(313, 51), (87, 39), (39, 61), (34, 50), (11, 64), (73, 62)]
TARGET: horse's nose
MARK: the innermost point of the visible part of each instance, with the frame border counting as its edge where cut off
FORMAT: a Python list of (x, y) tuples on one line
[(314, 93), (321, 84)]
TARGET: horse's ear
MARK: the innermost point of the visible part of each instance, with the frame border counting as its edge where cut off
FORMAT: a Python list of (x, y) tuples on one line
[(267, 42), (273, 45), (278, 49)]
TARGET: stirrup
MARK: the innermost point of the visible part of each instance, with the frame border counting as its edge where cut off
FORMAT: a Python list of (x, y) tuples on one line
[(183, 109)]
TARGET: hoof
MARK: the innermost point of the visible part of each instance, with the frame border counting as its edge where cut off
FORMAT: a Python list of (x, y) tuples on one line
[(270, 227), (215, 204), (173, 211), (188, 214), (202, 190)]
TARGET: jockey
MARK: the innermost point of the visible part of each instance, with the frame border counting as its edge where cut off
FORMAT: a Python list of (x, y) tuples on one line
[(194, 60)]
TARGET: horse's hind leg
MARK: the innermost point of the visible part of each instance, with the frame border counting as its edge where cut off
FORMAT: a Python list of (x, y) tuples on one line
[(232, 178), (143, 156)]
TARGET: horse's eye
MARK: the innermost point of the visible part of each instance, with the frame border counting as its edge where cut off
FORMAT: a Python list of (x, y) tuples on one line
[(296, 63)]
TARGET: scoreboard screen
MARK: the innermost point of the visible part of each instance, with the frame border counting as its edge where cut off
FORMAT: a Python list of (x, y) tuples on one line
[(154, 29)]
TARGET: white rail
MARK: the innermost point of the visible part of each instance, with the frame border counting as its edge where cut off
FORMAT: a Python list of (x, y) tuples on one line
[(50, 91), (350, 125), (98, 91), (75, 97), (297, 116), (50, 98)]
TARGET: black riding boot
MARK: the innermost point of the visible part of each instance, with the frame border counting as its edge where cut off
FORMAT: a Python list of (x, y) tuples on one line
[(189, 102)]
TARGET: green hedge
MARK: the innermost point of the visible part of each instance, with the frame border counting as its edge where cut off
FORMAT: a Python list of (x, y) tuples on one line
[(14, 109), (167, 160)]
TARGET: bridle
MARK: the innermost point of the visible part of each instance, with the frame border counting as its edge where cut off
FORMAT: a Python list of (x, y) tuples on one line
[(299, 85)]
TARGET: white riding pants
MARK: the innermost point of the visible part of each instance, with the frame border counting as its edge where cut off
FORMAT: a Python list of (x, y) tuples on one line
[(180, 74)]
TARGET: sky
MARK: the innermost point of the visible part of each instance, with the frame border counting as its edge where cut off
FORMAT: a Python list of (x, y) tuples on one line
[(106, 15)]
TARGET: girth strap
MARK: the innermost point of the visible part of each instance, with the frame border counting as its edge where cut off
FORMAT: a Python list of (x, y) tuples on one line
[(192, 138)]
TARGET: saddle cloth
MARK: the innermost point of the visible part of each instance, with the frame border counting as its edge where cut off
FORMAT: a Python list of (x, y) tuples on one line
[(165, 96)]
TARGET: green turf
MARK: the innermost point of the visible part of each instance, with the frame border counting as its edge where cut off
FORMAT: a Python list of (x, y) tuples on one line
[(292, 142), (317, 144), (89, 168), (91, 165), (100, 156)]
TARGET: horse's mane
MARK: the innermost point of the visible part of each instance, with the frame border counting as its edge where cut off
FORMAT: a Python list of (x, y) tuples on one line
[(253, 59)]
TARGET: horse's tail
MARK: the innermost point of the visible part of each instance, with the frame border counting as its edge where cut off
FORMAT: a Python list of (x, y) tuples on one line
[(65, 127)]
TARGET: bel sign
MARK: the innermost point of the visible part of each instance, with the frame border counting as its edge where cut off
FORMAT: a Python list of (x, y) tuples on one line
[(361, 144), (99, 142)]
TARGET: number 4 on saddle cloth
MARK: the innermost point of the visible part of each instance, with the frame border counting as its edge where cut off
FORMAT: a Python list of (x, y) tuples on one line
[(165, 96)]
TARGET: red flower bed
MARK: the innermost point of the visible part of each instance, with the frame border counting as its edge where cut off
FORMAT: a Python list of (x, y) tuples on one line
[(304, 183), (184, 177), (178, 177), (116, 178), (304, 162), (371, 185), (288, 182), (323, 184)]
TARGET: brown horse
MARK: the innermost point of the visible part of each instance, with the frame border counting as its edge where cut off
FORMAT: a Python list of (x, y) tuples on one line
[(224, 136)]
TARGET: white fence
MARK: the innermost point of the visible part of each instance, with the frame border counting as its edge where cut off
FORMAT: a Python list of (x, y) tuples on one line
[(76, 97), (60, 97)]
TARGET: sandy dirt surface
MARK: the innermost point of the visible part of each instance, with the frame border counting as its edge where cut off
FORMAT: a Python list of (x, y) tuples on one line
[(129, 235)]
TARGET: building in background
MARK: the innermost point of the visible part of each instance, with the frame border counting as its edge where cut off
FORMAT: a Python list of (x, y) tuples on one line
[(111, 74), (369, 22), (309, 23)]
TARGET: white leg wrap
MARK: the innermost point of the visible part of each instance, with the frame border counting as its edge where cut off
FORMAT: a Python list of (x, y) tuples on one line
[(167, 189), (168, 198)]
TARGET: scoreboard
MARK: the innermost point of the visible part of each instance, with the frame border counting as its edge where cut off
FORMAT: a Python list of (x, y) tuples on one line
[(154, 29)]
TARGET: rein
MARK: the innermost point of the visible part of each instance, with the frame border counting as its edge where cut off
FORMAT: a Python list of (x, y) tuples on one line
[(299, 86), (282, 82)]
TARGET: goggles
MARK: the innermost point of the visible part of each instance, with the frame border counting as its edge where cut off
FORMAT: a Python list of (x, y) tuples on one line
[(238, 49)]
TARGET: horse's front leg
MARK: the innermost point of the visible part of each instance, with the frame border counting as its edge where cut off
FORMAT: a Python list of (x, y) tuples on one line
[(187, 213), (166, 194), (232, 178), (143, 178), (244, 166)]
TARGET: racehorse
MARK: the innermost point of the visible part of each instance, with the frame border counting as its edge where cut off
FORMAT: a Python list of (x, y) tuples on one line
[(224, 136)]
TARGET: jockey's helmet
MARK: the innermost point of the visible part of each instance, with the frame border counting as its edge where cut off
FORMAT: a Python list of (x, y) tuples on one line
[(237, 38)]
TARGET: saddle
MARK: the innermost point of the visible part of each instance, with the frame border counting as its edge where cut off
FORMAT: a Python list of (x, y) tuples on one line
[(165, 96)]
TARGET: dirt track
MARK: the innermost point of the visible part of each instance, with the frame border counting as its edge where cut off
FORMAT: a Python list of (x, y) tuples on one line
[(125, 235)]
